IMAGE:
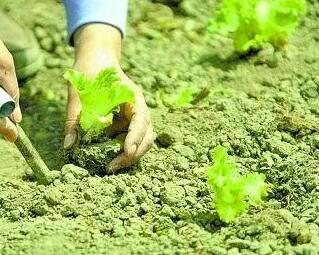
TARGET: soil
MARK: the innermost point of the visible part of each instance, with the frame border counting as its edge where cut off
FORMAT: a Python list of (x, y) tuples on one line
[(94, 156), (264, 108)]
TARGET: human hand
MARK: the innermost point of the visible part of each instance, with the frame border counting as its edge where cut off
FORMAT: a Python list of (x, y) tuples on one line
[(8, 81), (95, 52)]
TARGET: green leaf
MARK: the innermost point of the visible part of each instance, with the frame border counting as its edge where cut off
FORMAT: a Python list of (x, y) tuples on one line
[(100, 97), (223, 171), (251, 23), (229, 203), (77, 79), (233, 192), (184, 97), (254, 187)]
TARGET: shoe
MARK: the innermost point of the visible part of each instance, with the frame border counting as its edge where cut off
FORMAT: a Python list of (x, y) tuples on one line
[(22, 45)]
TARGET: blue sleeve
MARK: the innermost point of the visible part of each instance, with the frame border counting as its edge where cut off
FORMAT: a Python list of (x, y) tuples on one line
[(81, 12)]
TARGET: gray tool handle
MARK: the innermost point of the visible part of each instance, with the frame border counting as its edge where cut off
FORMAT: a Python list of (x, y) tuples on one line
[(7, 104)]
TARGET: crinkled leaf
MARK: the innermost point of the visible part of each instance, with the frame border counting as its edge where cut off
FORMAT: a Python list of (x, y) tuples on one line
[(100, 97), (223, 170), (77, 79), (254, 187), (183, 97), (251, 23), (229, 202), (233, 192)]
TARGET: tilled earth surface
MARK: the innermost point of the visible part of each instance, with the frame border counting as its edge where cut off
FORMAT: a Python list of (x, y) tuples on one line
[(263, 108)]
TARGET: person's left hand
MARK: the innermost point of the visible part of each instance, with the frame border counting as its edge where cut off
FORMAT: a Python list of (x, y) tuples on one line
[(134, 118)]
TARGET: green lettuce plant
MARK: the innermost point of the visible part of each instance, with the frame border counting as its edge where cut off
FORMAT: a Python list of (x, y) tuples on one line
[(251, 23), (233, 193), (182, 98), (100, 97)]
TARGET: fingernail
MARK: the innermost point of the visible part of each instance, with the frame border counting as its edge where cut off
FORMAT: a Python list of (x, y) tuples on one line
[(69, 141)]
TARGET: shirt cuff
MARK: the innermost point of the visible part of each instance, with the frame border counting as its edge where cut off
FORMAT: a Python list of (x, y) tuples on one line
[(82, 12)]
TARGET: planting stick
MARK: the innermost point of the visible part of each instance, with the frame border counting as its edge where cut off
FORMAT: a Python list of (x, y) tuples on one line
[(32, 157)]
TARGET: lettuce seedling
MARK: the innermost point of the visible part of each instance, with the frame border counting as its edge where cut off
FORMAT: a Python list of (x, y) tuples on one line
[(184, 97), (233, 192), (100, 97), (251, 23), (181, 99)]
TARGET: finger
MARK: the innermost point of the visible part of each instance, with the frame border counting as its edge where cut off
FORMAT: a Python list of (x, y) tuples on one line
[(137, 130), (8, 130), (123, 160), (145, 145), (73, 116), (71, 136), (8, 80)]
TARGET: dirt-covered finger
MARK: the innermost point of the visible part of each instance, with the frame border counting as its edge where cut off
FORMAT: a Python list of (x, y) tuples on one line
[(74, 104), (136, 132), (121, 161), (145, 145), (71, 133), (8, 130), (73, 117)]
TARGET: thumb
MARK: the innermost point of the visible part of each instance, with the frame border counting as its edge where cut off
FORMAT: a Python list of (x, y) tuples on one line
[(71, 134), (73, 116)]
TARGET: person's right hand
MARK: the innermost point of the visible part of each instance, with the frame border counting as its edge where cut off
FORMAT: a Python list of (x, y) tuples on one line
[(8, 81)]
